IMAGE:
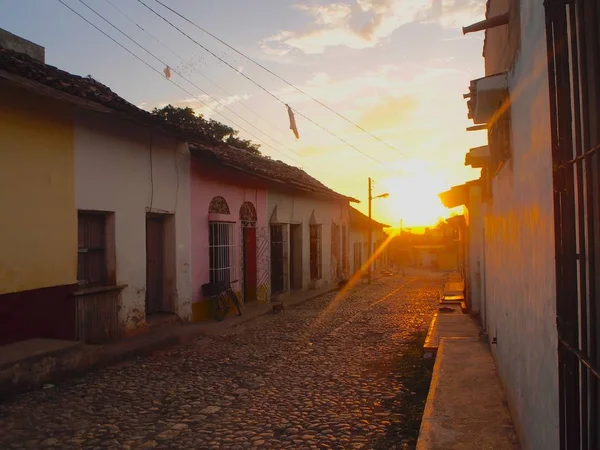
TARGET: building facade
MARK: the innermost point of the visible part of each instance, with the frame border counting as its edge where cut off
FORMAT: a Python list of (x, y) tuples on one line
[(539, 104), (230, 240), (360, 225), (132, 194), (308, 239)]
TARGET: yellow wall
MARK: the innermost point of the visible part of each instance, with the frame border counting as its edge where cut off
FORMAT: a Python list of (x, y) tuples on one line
[(38, 220)]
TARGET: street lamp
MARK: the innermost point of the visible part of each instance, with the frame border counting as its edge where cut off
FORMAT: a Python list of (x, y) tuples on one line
[(371, 198)]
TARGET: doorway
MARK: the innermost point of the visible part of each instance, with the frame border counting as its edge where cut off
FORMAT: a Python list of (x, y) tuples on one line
[(249, 255), (278, 245), (296, 256), (155, 233)]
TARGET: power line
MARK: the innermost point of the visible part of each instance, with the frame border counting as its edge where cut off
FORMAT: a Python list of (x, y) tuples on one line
[(150, 66), (279, 77), (258, 84), (192, 83), (214, 83)]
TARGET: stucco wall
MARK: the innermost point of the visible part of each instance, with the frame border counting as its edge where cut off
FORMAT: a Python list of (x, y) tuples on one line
[(361, 235), (298, 209), (519, 252), (38, 223), (474, 217), (208, 182), (129, 170)]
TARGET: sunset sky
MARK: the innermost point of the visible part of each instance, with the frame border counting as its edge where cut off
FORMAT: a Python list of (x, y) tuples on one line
[(398, 68)]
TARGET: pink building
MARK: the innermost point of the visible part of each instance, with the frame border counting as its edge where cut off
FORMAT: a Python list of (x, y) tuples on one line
[(238, 200)]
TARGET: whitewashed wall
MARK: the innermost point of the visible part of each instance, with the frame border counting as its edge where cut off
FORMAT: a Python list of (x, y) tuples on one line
[(288, 209), (130, 171), (519, 251), (361, 236), (474, 219)]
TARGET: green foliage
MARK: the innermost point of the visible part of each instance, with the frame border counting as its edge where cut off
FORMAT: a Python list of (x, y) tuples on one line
[(187, 119)]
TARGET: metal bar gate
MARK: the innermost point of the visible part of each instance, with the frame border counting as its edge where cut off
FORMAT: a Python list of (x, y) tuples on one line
[(573, 68)]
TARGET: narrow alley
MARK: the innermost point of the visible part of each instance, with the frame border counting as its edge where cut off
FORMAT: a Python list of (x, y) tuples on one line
[(318, 375)]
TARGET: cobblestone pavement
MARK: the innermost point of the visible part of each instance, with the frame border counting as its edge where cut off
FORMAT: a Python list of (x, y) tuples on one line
[(314, 376)]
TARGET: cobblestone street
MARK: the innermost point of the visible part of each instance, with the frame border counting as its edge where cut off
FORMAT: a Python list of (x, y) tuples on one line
[(319, 375)]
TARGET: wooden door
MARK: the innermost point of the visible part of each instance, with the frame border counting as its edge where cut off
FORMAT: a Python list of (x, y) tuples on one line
[(250, 273), (154, 264)]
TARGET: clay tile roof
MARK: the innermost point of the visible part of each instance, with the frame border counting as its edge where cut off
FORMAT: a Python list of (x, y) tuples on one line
[(21, 66), (359, 219), (266, 168)]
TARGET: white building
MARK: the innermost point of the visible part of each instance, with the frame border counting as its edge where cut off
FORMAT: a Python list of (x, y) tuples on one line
[(540, 105), (132, 193), (309, 239), (360, 225)]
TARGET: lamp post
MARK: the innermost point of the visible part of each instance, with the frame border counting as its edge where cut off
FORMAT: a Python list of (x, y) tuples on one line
[(371, 198)]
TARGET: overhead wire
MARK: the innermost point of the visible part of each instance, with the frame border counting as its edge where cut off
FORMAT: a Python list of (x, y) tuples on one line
[(258, 84), (262, 66), (203, 75), (193, 84)]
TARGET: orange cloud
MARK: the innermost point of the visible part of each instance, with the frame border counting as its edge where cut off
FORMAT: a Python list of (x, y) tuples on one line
[(389, 113)]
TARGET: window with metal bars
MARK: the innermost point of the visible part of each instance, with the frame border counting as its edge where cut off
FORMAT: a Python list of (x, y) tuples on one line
[(335, 247), (221, 246), (278, 258), (573, 39), (357, 256), (344, 250), (315, 252), (91, 248)]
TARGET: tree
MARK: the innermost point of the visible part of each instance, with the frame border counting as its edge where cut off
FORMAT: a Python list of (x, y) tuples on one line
[(186, 118)]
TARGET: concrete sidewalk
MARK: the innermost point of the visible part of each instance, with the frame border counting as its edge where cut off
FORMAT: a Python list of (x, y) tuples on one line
[(30, 364), (466, 407)]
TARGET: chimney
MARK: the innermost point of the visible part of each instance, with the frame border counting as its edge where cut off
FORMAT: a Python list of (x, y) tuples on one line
[(18, 44)]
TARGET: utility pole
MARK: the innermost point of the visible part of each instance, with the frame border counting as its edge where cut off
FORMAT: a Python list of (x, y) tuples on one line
[(370, 252)]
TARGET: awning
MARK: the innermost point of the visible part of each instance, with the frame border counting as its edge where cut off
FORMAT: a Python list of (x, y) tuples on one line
[(456, 196), (478, 157), (486, 96)]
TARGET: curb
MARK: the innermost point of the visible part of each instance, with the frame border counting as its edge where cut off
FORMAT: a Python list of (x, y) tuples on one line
[(33, 373)]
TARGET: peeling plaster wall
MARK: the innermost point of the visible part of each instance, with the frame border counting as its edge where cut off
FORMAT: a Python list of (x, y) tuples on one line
[(130, 170), (519, 250), (298, 209), (208, 182)]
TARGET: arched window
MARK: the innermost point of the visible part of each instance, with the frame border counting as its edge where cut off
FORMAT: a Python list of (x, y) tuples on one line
[(248, 214), (218, 205)]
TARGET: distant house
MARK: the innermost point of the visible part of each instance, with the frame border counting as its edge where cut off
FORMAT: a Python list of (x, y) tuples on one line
[(360, 225), (98, 239)]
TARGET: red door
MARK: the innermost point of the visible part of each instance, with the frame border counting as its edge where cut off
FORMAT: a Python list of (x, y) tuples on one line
[(154, 265), (249, 264)]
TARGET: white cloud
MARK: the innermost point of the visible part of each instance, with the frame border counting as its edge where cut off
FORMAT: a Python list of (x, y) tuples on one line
[(365, 23)]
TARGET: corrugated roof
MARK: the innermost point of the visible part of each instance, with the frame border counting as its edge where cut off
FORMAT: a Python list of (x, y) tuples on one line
[(90, 93)]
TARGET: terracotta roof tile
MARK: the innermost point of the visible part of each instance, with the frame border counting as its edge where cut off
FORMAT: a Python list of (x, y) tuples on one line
[(264, 167), (87, 88)]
